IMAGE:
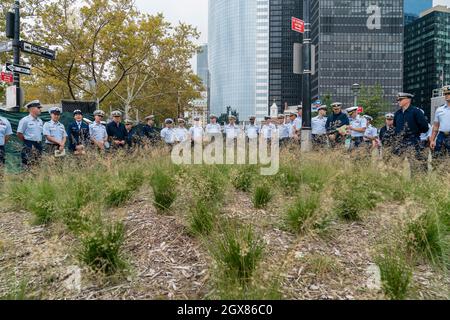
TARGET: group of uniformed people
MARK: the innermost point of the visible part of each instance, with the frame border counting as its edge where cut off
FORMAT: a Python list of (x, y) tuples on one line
[(407, 132)]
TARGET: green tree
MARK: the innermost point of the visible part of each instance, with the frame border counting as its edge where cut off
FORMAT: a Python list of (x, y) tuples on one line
[(371, 98), (108, 50)]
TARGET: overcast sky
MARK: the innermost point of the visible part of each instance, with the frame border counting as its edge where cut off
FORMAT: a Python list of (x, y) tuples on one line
[(194, 12), (445, 2)]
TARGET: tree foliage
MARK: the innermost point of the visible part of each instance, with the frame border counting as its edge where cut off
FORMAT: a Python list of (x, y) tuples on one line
[(109, 51), (372, 99)]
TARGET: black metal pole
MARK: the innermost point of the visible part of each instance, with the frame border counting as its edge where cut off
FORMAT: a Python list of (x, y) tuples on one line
[(16, 51), (306, 131)]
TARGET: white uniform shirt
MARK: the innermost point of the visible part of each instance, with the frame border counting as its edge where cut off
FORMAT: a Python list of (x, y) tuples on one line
[(55, 130), (168, 135), (267, 130), (213, 128), (232, 131), (5, 130), (298, 123), (97, 131), (443, 118), (371, 132), (358, 123), (31, 128), (284, 130), (252, 131), (181, 134), (196, 133), (318, 125)]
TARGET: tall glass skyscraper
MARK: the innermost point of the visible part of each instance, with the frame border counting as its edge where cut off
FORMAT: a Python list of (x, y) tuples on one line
[(427, 55), (284, 85), (238, 48), (202, 64), (349, 51)]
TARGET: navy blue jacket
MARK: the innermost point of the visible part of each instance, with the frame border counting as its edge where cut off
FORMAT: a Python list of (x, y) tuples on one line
[(77, 136), (335, 121), (152, 133), (411, 123), (132, 138), (116, 132)]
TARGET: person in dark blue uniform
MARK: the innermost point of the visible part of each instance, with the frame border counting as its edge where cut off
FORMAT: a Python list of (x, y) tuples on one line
[(335, 122), (387, 137), (117, 133), (132, 138), (410, 123), (78, 133), (440, 138), (150, 132)]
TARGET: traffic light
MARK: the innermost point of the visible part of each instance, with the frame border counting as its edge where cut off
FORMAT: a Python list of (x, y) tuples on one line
[(10, 17)]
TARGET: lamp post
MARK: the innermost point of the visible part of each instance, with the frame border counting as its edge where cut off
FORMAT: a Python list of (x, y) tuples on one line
[(356, 88), (306, 133), (16, 52)]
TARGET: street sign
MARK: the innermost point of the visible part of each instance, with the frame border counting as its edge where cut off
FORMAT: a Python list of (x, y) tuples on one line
[(37, 50), (6, 46), (7, 77), (18, 69), (298, 25)]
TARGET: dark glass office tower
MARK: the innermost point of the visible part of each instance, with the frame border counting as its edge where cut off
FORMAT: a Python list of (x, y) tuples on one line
[(349, 52), (284, 85), (427, 55)]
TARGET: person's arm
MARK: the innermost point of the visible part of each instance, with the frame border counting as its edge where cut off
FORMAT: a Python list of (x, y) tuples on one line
[(64, 140), (91, 137), (434, 135), (21, 130), (8, 131)]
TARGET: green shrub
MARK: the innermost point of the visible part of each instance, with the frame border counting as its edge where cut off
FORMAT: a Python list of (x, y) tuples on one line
[(163, 186), (17, 292), (101, 249), (209, 183), (396, 275), (237, 252), (314, 175), (201, 218), (41, 201), (425, 236), (301, 212), (243, 179), (349, 210), (118, 194), (262, 196), (123, 186), (357, 196), (289, 178)]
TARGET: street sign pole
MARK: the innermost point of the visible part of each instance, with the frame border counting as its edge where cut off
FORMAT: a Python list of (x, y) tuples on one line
[(16, 51), (307, 70)]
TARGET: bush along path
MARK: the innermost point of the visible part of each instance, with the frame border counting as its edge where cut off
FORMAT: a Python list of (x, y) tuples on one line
[(146, 229)]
